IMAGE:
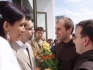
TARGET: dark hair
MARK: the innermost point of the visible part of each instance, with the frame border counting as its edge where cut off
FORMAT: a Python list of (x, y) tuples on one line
[(68, 23), (10, 13), (73, 34), (55, 40), (24, 10), (27, 17), (50, 39), (39, 29), (87, 28)]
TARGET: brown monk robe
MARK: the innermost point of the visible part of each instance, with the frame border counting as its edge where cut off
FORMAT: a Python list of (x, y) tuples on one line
[(66, 54)]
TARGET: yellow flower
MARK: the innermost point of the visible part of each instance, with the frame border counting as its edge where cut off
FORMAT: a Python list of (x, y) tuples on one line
[(47, 60), (45, 45)]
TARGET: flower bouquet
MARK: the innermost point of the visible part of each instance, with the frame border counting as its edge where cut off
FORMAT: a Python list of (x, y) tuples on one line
[(47, 61)]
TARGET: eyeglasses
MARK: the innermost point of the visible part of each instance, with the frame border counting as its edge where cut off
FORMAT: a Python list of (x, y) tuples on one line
[(30, 28), (74, 37)]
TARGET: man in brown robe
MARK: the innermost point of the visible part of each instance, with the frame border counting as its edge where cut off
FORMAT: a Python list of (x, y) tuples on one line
[(65, 50)]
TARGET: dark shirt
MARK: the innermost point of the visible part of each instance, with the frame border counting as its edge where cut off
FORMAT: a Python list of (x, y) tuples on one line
[(85, 57), (66, 54), (52, 49)]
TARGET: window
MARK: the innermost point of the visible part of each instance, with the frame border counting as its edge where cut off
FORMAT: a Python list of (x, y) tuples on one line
[(42, 21)]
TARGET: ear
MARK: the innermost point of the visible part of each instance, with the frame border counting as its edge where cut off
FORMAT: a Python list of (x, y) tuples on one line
[(86, 42), (69, 30), (6, 26)]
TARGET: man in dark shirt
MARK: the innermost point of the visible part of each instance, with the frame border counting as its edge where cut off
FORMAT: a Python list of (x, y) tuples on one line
[(83, 40), (65, 50)]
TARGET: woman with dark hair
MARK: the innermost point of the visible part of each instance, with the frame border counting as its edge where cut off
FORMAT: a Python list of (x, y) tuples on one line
[(11, 27), (11, 21)]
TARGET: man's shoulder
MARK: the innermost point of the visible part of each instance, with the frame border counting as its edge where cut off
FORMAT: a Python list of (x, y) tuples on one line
[(28, 45), (86, 65), (34, 42), (60, 43), (14, 44)]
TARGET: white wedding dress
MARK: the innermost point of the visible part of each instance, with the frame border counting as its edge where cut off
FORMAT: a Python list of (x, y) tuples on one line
[(7, 59)]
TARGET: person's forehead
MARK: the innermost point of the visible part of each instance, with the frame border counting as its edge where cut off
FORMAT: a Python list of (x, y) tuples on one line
[(39, 31), (60, 23), (29, 23)]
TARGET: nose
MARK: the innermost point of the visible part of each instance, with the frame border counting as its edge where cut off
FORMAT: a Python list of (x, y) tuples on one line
[(56, 32), (33, 31)]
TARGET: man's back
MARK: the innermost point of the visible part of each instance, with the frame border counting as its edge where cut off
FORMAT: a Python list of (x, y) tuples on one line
[(85, 61)]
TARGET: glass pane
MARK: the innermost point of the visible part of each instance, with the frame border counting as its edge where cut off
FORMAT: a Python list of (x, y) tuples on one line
[(28, 4), (41, 20), (45, 35), (31, 3), (17, 2)]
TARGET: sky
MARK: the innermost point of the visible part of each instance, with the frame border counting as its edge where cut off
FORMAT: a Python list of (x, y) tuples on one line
[(77, 10)]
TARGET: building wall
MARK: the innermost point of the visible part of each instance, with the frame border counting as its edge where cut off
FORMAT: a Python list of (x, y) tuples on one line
[(48, 6)]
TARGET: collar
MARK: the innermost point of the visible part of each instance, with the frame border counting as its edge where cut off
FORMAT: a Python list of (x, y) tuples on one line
[(21, 44), (85, 54), (68, 44), (40, 41), (37, 40)]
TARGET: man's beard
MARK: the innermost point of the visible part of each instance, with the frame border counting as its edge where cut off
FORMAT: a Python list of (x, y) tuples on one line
[(30, 38)]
